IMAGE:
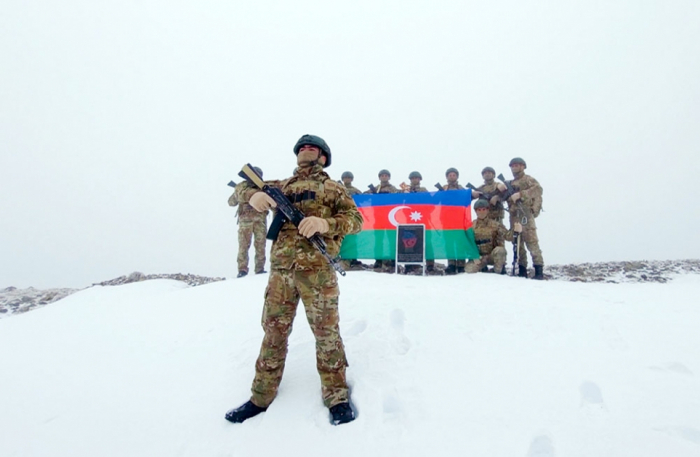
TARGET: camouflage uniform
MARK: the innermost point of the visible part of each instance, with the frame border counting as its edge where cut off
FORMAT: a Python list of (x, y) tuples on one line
[(387, 188), (417, 188), (298, 270), (531, 197), (251, 224), (385, 265), (456, 263), (352, 190), (496, 212), (490, 239)]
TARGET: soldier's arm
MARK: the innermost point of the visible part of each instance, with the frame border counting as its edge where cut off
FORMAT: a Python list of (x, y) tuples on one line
[(245, 190), (533, 192), (501, 235), (347, 218), (233, 200)]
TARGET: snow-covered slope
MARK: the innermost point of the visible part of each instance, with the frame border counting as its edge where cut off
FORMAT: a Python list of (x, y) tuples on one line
[(477, 365)]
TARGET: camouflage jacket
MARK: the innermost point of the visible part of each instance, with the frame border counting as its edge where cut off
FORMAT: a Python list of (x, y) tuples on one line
[(530, 194), (496, 212), (488, 235), (387, 188), (352, 190), (414, 189), (245, 212), (454, 186), (314, 193)]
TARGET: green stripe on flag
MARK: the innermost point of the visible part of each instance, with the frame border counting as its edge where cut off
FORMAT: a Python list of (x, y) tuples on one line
[(381, 245)]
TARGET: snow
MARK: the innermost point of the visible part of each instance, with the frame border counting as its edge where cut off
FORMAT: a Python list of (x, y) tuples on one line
[(467, 365)]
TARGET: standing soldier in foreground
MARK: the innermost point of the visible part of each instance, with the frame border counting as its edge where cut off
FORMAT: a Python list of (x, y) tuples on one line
[(251, 223), (489, 190), (529, 193), (298, 270), (347, 178), (490, 239), (454, 266)]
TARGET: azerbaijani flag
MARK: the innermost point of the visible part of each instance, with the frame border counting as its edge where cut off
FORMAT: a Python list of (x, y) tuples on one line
[(447, 217)]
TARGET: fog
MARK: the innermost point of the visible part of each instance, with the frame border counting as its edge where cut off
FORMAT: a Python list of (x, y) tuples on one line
[(122, 122)]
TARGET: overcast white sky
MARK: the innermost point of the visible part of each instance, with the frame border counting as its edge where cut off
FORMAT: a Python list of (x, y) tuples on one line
[(122, 122)]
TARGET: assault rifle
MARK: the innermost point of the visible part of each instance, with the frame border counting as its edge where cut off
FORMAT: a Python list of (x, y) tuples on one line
[(439, 187), (231, 184), (372, 189), (483, 194), (516, 248), (286, 211), (510, 190)]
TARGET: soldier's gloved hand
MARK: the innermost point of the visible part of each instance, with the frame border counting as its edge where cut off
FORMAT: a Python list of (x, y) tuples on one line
[(518, 227), (261, 201), (502, 187), (311, 225), (476, 193), (515, 197), (494, 200)]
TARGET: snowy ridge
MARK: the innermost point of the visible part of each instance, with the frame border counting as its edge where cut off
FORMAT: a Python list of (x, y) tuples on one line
[(17, 301), (478, 365)]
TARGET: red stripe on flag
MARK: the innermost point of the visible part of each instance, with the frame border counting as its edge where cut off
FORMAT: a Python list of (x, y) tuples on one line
[(435, 217)]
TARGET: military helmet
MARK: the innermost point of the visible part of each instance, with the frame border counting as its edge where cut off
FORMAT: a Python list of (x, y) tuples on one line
[(317, 141), (384, 172), (481, 203), (258, 170), (415, 174), (347, 174), (517, 160), (488, 169), (452, 170)]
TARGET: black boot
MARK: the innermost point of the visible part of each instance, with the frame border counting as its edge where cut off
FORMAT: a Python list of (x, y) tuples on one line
[(539, 274), (503, 270), (377, 264), (460, 269), (484, 269), (244, 412), (241, 273), (260, 272), (451, 270), (522, 271), (342, 413)]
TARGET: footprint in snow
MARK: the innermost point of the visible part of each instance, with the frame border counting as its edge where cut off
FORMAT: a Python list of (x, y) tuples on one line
[(400, 343), (675, 367), (541, 446), (356, 328)]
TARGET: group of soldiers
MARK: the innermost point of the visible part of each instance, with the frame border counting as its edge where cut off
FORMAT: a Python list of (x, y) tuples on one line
[(300, 270), (523, 196)]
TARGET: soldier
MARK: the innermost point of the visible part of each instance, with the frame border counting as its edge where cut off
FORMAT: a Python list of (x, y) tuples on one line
[(415, 178), (251, 224), (298, 270), (385, 187), (347, 178), (490, 236), (529, 194), (490, 191), (454, 266)]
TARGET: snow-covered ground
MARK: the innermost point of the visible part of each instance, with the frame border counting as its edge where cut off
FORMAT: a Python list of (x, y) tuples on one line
[(467, 365)]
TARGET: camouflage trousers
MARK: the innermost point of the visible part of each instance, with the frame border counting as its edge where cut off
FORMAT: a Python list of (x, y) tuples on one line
[(497, 258), (528, 238), (246, 231), (318, 290)]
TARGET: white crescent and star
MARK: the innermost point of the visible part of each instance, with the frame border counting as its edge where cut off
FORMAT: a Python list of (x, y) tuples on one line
[(415, 216)]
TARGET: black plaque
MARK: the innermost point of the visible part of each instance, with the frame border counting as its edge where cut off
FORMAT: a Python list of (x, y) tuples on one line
[(410, 243)]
